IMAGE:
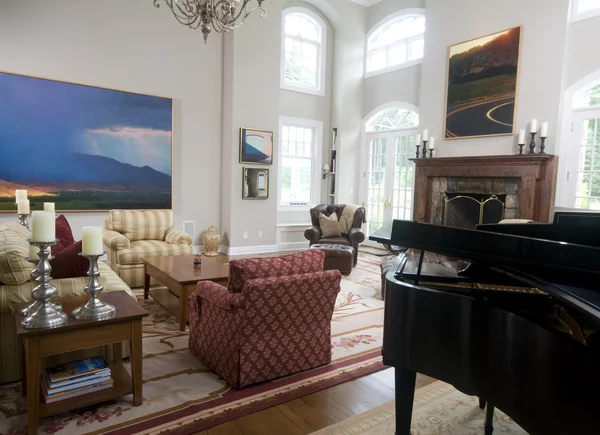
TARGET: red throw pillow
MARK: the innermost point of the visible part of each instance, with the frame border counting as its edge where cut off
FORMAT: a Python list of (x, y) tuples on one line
[(64, 234), (67, 263)]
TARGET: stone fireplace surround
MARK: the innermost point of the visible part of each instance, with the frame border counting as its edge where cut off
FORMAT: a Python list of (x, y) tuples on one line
[(529, 181)]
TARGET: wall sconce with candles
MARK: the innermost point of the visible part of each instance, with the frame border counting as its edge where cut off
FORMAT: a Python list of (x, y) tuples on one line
[(325, 170)]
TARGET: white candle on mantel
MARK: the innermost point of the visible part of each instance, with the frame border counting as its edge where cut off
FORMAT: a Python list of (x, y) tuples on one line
[(49, 206), (522, 136), (432, 143), (418, 140), (23, 206), (91, 241), (20, 194), (544, 129), (43, 227), (425, 134), (533, 126)]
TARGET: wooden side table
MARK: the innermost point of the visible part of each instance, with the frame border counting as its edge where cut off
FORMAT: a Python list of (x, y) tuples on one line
[(37, 344)]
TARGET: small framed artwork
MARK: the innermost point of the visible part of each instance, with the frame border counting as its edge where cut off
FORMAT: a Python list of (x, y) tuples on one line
[(255, 183), (256, 146)]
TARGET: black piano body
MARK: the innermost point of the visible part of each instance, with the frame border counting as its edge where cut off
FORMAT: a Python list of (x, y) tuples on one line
[(533, 354)]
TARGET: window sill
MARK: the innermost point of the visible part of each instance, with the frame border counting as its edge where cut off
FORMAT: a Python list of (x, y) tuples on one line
[(300, 89), (393, 68), (285, 208), (585, 15)]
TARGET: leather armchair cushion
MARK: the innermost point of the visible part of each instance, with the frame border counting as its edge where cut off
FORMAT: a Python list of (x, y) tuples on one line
[(335, 240)]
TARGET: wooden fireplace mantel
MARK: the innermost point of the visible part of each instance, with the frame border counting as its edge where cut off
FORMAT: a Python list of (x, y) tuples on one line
[(537, 173)]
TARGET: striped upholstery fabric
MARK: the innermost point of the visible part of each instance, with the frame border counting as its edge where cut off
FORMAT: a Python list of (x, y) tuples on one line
[(150, 248), (114, 240), (141, 224), (178, 237), (14, 269)]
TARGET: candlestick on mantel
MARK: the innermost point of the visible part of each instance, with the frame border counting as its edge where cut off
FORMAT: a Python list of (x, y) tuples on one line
[(522, 137), (544, 129), (20, 195), (23, 206), (91, 241), (432, 143), (49, 206), (43, 227), (418, 139), (425, 135), (533, 126)]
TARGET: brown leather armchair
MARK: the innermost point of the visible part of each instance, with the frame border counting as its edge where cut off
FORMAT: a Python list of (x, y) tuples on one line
[(354, 236)]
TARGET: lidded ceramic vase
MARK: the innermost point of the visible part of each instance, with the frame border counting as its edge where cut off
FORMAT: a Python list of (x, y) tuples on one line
[(211, 241)]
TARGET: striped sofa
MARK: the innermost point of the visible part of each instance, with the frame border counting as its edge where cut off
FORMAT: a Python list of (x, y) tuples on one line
[(131, 235), (15, 289)]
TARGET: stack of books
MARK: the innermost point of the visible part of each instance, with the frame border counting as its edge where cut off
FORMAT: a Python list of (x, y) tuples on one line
[(75, 378)]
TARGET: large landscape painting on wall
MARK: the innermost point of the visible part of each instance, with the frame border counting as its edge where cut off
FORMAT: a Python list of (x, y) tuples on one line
[(482, 86), (83, 147)]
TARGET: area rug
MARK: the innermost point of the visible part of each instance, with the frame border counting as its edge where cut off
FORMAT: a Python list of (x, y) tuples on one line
[(438, 409), (181, 396)]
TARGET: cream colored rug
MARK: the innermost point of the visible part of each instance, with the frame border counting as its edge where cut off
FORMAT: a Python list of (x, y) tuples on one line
[(438, 409)]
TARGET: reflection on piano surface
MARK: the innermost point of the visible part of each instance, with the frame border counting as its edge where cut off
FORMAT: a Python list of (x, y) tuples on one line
[(512, 319)]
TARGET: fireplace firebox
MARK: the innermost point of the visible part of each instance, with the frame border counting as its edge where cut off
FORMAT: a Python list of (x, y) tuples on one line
[(466, 210)]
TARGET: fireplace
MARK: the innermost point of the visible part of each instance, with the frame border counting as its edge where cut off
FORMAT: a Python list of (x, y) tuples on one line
[(466, 210)]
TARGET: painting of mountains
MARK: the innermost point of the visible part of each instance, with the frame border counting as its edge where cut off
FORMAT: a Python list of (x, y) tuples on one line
[(256, 146), (482, 86), (84, 148)]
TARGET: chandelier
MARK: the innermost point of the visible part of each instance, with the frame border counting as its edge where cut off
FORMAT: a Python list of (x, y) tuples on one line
[(206, 15)]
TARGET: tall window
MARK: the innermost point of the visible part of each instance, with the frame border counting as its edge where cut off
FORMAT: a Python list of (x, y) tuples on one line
[(303, 51), (396, 42), (300, 158), (585, 9)]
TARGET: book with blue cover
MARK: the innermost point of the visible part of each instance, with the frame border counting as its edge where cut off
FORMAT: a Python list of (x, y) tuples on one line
[(73, 369)]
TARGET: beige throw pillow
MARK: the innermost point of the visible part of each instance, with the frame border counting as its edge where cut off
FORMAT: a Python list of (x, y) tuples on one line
[(330, 227)]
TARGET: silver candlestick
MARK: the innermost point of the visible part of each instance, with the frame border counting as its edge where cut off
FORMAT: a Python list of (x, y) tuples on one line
[(24, 219), (35, 276), (45, 315), (94, 309)]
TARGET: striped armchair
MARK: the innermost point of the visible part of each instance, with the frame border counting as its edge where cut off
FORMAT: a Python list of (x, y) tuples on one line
[(131, 235)]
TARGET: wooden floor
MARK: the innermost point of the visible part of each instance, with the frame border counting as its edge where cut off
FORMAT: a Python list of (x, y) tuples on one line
[(318, 410)]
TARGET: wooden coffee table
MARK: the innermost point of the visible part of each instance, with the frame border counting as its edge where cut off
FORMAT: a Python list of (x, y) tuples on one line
[(180, 276), (37, 344)]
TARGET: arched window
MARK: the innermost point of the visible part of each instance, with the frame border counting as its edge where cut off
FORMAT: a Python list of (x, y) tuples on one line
[(304, 35), (393, 119), (396, 41), (585, 9)]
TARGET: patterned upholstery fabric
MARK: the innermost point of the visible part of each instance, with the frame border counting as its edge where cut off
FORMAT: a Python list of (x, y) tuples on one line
[(243, 270), (14, 269), (277, 325), (141, 224), (131, 235)]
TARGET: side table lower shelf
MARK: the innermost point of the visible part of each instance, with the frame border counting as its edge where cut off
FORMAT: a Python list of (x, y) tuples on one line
[(122, 386)]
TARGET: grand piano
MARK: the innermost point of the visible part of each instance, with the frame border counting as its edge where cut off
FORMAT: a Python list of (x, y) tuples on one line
[(507, 313)]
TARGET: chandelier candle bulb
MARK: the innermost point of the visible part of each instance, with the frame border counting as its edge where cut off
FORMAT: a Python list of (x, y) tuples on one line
[(23, 206), (544, 129), (49, 206), (20, 195), (43, 228), (522, 136), (91, 241), (425, 134), (533, 126)]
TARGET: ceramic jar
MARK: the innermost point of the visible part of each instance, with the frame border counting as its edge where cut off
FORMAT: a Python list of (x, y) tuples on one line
[(211, 241)]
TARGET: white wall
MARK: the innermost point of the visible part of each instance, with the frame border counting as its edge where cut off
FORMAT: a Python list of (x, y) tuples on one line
[(543, 43), (136, 47), (582, 59)]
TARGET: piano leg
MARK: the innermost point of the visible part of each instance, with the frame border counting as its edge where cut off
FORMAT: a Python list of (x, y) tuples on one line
[(481, 403), (405, 394), (489, 419)]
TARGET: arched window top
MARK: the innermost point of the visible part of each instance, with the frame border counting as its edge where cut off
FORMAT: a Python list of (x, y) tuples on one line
[(304, 34), (396, 41), (588, 96), (585, 9), (393, 119)]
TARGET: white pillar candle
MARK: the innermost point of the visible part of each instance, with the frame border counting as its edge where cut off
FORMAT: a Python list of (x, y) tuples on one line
[(49, 206), (425, 134), (432, 143), (23, 206), (91, 238), (20, 194), (533, 126), (522, 136), (43, 227), (418, 139), (544, 129)]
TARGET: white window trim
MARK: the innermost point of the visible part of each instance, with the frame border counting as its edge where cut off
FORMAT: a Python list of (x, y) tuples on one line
[(316, 159), (322, 53), (393, 17), (578, 16)]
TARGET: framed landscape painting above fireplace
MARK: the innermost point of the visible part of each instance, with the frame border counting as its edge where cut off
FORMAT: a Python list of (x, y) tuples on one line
[(482, 85), (85, 148)]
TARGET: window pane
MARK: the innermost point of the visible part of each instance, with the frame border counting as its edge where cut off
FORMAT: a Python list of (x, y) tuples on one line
[(377, 60), (299, 24), (417, 49), (302, 50), (586, 5), (393, 119), (397, 55), (297, 165)]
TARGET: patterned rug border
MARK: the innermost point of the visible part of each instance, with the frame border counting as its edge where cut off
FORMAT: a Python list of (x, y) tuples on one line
[(240, 411)]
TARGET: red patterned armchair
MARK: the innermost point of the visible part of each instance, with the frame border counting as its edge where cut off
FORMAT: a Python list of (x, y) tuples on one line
[(273, 320)]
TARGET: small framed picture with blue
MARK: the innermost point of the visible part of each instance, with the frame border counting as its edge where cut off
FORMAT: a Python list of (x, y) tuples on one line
[(256, 146)]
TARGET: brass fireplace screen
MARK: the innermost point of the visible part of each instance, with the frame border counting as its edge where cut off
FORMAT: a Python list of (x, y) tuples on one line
[(466, 210)]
